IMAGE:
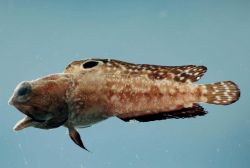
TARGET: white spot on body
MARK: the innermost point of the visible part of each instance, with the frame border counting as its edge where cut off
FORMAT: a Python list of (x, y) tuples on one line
[(172, 75), (114, 99), (216, 102), (218, 97), (172, 91), (203, 86), (226, 94), (187, 105), (109, 64), (204, 91), (203, 99)]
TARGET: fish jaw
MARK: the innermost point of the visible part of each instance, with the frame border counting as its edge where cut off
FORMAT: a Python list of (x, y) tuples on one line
[(23, 123), (43, 101)]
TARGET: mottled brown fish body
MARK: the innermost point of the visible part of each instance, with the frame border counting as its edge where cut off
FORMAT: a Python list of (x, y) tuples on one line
[(116, 95), (93, 90), (122, 89), (139, 95)]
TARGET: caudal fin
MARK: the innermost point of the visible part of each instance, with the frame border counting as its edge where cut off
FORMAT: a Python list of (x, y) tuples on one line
[(222, 93)]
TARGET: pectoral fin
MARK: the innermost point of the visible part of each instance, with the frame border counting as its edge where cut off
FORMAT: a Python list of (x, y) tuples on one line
[(75, 136)]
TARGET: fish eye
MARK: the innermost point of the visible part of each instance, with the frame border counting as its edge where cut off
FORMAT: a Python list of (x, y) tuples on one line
[(24, 89), (90, 64)]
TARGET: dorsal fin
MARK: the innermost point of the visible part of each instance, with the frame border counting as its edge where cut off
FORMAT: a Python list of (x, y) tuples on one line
[(183, 73), (191, 112), (186, 73), (191, 72)]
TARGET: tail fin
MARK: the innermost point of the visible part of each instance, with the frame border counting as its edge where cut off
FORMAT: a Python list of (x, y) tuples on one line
[(222, 93)]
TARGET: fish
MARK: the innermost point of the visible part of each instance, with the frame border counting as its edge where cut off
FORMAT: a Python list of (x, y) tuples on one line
[(93, 90)]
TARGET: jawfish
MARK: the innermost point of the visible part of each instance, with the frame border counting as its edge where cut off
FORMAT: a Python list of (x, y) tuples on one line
[(92, 90)]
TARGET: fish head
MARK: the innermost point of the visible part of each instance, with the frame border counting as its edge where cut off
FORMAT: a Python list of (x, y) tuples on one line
[(43, 101)]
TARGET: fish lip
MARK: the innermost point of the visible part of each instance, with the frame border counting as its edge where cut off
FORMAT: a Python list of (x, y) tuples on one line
[(11, 101), (23, 123), (16, 126)]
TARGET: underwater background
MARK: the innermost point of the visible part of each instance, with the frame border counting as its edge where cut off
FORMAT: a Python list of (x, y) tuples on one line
[(38, 38)]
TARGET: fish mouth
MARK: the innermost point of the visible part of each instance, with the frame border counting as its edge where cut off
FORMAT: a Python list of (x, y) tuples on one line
[(35, 119), (28, 111), (27, 121)]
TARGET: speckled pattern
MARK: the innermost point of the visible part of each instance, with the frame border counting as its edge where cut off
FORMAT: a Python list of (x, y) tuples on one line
[(93, 90), (117, 88)]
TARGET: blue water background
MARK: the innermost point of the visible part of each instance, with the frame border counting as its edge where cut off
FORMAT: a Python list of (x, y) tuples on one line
[(41, 37)]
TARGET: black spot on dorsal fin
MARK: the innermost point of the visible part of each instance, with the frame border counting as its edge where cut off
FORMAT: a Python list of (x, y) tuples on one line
[(192, 112)]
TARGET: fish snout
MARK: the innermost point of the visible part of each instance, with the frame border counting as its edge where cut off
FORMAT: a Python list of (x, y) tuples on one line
[(21, 93)]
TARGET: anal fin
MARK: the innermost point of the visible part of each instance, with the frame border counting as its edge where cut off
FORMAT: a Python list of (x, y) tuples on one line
[(191, 112)]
